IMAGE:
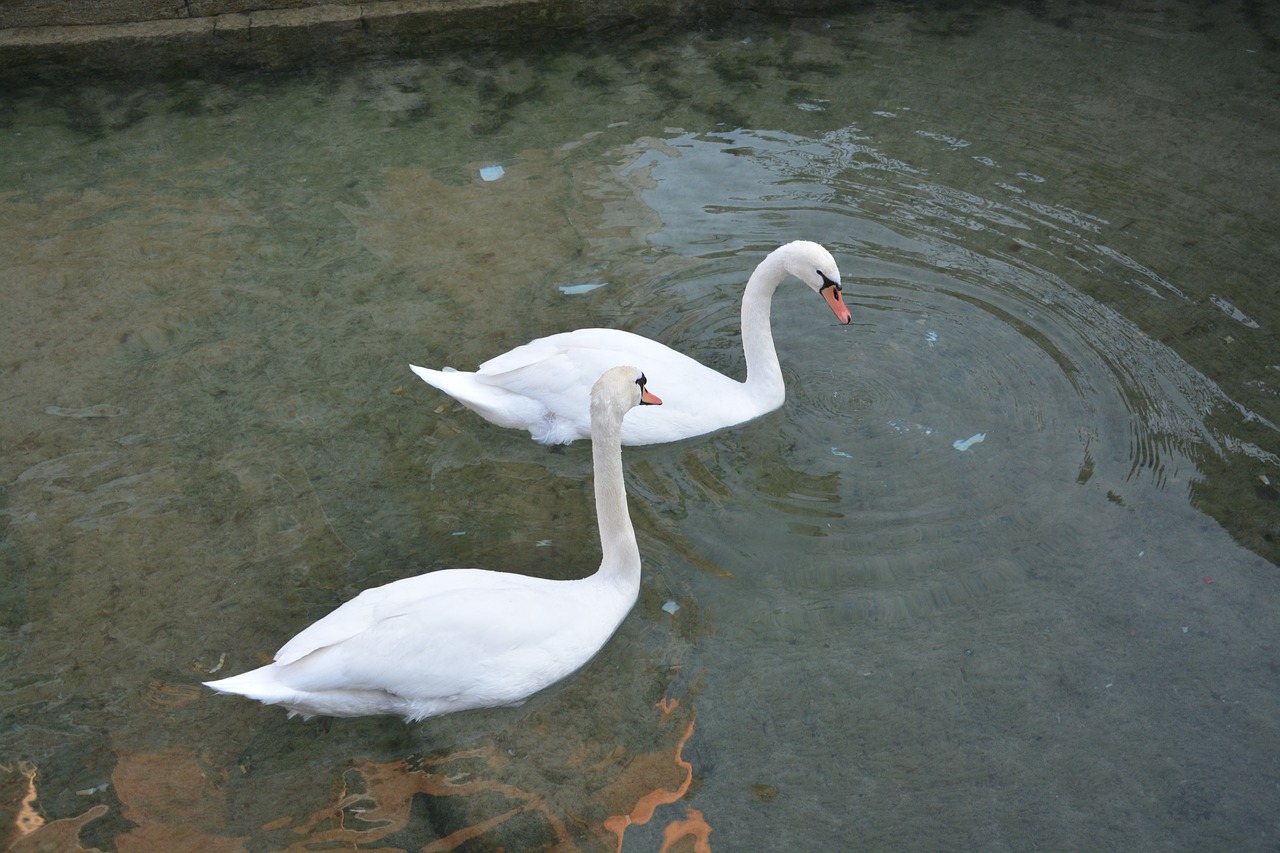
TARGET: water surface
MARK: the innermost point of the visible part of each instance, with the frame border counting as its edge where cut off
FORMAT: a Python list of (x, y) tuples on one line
[(1001, 574)]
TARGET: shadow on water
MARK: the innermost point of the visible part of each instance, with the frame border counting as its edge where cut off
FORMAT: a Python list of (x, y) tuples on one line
[(1001, 571)]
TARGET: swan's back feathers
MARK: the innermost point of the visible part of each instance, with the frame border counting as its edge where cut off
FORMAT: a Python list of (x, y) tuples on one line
[(525, 636), (577, 359), (376, 604)]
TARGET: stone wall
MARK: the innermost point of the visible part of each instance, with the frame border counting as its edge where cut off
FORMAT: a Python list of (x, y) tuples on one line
[(107, 34), (73, 13)]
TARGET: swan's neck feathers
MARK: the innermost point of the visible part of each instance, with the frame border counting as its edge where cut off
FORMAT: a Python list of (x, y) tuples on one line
[(620, 563), (764, 374)]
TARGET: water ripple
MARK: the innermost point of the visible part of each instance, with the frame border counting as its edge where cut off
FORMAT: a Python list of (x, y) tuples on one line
[(975, 397)]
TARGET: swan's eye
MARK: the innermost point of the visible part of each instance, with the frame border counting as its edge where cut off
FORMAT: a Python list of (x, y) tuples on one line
[(642, 381), (826, 282)]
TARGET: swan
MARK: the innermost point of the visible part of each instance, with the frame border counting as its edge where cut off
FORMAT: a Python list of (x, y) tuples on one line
[(543, 385), (456, 639)]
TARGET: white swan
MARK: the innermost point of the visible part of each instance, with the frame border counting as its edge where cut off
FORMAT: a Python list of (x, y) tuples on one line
[(456, 639), (543, 386)]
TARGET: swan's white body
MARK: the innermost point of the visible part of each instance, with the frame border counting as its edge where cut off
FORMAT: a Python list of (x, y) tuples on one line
[(456, 639), (543, 386)]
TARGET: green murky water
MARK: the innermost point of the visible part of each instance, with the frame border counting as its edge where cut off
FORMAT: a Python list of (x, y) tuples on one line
[(1056, 232)]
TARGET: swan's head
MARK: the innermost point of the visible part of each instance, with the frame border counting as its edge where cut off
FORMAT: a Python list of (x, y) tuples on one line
[(619, 390), (813, 264)]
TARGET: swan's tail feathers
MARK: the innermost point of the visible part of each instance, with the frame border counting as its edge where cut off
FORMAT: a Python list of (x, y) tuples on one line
[(456, 383), (264, 685), (260, 684), (486, 398), (431, 377)]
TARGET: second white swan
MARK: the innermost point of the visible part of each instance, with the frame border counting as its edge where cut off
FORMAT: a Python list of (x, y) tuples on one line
[(455, 639), (543, 386)]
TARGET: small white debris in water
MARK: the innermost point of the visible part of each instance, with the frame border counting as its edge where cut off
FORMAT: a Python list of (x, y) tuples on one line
[(964, 444), (491, 173), (1186, 628), (222, 658), (542, 543), (89, 792), (1266, 481), (835, 451), (102, 410), (671, 607), (901, 427), (575, 289), (458, 533), (931, 337)]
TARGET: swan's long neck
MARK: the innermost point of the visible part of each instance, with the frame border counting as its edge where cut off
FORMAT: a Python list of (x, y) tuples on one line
[(621, 555), (764, 374)]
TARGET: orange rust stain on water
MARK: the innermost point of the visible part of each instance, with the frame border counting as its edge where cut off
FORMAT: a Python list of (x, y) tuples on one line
[(175, 798), (647, 805), (168, 796), (61, 835), (693, 826), (390, 786), (161, 695), (31, 832), (28, 819)]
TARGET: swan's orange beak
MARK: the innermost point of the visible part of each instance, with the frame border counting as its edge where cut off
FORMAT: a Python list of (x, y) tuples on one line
[(647, 399), (831, 292)]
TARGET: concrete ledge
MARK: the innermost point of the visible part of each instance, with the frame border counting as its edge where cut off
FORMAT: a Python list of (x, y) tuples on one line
[(221, 32), (67, 13), (35, 37), (241, 21)]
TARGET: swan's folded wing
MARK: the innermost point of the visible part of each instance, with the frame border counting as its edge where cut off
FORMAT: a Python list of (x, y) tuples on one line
[(373, 605), (524, 355), (496, 644), (573, 361), (605, 342)]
